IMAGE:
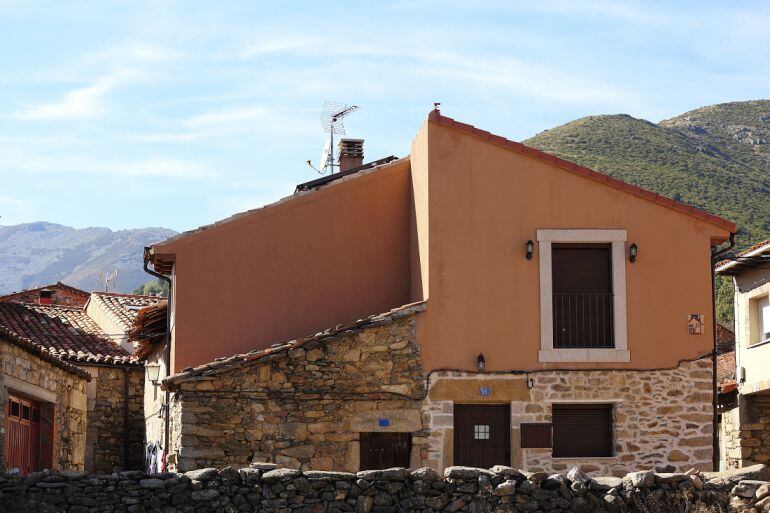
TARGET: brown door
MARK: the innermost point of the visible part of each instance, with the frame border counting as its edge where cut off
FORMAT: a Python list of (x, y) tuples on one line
[(482, 435), (385, 450), (22, 435)]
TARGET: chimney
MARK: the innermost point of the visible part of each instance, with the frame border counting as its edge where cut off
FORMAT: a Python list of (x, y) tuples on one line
[(46, 297), (351, 153)]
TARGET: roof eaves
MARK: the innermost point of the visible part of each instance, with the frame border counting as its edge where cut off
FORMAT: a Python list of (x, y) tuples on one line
[(34, 349), (755, 250), (567, 165)]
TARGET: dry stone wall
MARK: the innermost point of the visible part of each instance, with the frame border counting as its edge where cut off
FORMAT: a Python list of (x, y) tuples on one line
[(265, 489), (69, 407), (745, 432), (306, 407)]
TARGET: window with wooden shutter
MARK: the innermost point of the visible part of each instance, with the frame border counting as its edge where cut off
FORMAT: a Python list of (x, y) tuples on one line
[(535, 435), (380, 450), (582, 430), (582, 295)]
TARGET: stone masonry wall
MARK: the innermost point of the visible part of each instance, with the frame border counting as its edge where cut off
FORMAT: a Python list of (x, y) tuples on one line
[(661, 417), (460, 489), (304, 408), (69, 408), (105, 432), (745, 432)]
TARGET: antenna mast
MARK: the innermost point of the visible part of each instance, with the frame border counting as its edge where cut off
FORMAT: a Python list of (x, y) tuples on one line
[(332, 114)]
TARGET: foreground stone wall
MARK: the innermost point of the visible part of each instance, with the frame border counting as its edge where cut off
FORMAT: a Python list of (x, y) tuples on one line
[(305, 407), (745, 432), (106, 430), (461, 489), (66, 391)]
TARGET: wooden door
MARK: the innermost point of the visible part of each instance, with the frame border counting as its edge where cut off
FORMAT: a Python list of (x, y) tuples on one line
[(482, 435), (22, 435), (385, 450)]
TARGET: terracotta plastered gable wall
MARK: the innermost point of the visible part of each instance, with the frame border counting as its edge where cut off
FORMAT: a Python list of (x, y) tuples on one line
[(305, 408), (68, 392), (486, 201), (294, 268)]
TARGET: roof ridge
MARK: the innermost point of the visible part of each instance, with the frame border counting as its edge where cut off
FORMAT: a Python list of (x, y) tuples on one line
[(586, 172)]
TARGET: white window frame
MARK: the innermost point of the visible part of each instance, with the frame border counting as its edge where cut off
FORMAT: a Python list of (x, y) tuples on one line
[(617, 239)]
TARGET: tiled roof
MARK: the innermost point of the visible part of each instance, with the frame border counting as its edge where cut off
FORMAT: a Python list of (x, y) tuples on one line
[(726, 370), (62, 331), (27, 345), (149, 328), (123, 308), (239, 360), (437, 117), (748, 258), (19, 296)]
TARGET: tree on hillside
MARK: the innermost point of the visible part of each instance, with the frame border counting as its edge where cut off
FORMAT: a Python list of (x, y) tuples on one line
[(153, 288)]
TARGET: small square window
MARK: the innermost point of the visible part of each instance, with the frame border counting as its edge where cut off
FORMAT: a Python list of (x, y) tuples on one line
[(25, 412), (15, 407), (481, 432)]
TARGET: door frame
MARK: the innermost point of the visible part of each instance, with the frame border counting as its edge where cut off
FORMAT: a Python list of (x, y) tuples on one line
[(509, 438)]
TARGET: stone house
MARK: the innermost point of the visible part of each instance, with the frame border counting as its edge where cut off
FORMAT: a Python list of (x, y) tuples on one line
[(745, 427), (514, 308), (107, 432), (55, 294)]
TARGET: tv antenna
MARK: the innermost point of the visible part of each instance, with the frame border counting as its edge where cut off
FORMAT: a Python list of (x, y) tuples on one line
[(332, 114), (108, 279)]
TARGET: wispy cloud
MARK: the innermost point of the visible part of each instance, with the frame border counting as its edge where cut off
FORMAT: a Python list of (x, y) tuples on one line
[(83, 102)]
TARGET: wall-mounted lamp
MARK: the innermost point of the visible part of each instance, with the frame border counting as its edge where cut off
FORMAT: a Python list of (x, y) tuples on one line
[(153, 373), (481, 362), (529, 247), (633, 250)]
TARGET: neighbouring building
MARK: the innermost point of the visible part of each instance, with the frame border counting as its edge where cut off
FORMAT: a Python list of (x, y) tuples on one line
[(513, 308), (56, 294), (745, 427), (93, 386)]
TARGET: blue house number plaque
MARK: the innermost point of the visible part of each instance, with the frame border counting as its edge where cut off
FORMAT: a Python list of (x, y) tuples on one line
[(383, 422), (484, 391)]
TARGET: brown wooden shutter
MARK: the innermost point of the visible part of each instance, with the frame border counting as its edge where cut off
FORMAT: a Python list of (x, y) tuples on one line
[(582, 295), (582, 430), (535, 436)]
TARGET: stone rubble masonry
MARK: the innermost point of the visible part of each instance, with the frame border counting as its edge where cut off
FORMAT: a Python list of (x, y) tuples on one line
[(69, 409), (745, 432), (661, 417), (262, 488), (304, 408), (105, 420)]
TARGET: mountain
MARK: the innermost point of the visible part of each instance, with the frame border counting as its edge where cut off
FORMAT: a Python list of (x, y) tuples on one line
[(36, 254), (716, 158)]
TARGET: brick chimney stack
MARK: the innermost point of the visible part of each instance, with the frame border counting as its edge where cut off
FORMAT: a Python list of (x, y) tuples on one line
[(46, 297), (351, 153)]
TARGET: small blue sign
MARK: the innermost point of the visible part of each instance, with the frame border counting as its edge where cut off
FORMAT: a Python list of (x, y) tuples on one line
[(383, 422), (484, 391)]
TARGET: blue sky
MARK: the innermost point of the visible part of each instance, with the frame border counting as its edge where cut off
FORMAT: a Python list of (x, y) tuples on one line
[(176, 114)]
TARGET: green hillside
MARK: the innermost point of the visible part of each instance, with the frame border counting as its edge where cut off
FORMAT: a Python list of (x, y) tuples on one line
[(716, 158)]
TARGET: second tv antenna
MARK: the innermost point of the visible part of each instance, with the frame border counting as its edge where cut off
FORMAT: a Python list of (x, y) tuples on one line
[(332, 114)]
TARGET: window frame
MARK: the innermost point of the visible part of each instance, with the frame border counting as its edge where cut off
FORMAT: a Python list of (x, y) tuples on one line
[(617, 239), (756, 337)]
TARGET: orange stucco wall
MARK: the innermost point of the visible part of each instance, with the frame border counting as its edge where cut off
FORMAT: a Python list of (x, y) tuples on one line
[(294, 268), (486, 201)]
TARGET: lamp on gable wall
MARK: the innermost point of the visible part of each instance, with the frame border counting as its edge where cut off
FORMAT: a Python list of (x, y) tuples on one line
[(153, 373), (529, 248), (633, 250), (481, 362)]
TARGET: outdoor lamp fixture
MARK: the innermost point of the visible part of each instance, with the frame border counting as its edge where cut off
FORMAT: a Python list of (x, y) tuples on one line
[(530, 249), (633, 250), (153, 373), (481, 362)]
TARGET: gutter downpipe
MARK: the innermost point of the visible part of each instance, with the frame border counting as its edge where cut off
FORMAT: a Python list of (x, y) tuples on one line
[(167, 342), (715, 254)]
